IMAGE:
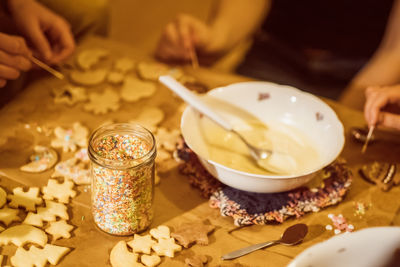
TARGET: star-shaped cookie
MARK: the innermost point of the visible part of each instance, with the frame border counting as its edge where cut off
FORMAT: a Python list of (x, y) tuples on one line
[(141, 244), (190, 233), (166, 247), (8, 215)]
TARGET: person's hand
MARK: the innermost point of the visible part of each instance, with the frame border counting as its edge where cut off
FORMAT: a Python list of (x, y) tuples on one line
[(48, 33), (14, 54), (182, 37), (379, 99)]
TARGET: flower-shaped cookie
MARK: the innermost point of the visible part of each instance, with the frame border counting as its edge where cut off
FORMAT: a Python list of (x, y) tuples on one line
[(70, 139)]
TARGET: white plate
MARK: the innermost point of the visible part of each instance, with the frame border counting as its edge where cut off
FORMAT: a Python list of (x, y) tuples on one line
[(371, 247), (283, 104)]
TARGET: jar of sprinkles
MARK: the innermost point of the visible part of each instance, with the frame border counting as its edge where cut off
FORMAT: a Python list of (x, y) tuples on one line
[(122, 169)]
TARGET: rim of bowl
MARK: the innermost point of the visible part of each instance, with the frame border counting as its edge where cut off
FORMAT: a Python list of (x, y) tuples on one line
[(188, 108)]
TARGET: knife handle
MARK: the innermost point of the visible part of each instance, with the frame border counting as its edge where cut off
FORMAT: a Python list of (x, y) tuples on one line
[(247, 250)]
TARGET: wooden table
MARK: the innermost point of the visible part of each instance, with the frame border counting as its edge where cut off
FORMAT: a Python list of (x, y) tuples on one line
[(175, 200)]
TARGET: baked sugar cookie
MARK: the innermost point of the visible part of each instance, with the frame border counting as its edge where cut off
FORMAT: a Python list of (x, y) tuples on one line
[(134, 89), (90, 57), (88, 78), (43, 159)]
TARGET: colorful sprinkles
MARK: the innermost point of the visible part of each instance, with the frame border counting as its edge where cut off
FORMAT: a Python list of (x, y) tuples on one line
[(339, 224), (122, 198)]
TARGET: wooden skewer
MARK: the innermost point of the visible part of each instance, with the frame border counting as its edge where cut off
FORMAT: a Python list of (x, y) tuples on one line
[(371, 130), (46, 67), (194, 59)]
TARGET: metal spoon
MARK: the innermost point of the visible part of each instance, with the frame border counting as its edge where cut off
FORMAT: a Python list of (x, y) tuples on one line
[(292, 236), (195, 102)]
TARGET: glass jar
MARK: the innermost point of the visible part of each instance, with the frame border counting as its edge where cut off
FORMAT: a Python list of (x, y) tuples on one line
[(122, 173)]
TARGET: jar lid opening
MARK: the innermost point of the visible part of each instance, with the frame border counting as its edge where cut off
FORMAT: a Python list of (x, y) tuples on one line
[(121, 146)]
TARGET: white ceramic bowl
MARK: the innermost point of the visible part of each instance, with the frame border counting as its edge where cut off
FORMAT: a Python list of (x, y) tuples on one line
[(269, 103)]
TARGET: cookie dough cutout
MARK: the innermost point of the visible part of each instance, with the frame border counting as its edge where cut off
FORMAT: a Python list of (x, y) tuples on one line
[(90, 57), (134, 89), (196, 261), (150, 260), (152, 70), (60, 191), (76, 168), (167, 139), (27, 200), (88, 78), (23, 234), (43, 159), (121, 257), (141, 244), (69, 95), (70, 139), (160, 232), (38, 257), (59, 229), (192, 233), (166, 247), (48, 214), (3, 197), (8, 216), (149, 118), (102, 103), (115, 77), (124, 65)]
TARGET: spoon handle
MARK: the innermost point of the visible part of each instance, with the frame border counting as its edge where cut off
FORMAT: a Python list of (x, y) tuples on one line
[(194, 101), (247, 250)]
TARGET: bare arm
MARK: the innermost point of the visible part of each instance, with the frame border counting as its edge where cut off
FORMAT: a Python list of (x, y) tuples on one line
[(236, 20), (383, 68), (232, 22)]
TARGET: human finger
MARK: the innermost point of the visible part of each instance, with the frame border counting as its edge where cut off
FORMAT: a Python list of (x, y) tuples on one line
[(170, 46), (39, 40), (63, 40), (368, 106), (389, 120), (378, 101), (3, 83), (14, 45), (15, 61), (8, 73), (185, 28)]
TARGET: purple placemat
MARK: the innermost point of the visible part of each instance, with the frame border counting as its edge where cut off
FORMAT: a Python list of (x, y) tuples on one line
[(246, 208)]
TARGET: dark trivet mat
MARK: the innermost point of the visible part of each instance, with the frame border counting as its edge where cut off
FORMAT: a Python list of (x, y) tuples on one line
[(246, 208)]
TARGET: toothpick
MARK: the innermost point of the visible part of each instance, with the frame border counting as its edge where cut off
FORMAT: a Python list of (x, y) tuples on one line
[(194, 59), (371, 130), (46, 67)]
